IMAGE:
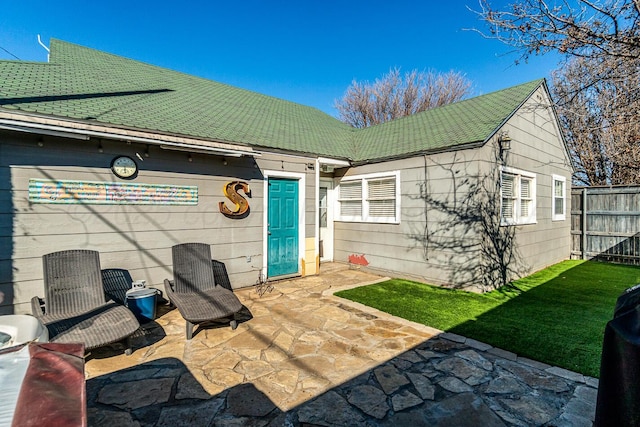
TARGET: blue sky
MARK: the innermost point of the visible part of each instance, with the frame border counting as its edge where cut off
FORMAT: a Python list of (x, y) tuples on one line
[(303, 51)]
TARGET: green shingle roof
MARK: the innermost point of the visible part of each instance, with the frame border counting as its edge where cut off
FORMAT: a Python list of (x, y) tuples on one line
[(460, 123), (89, 85)]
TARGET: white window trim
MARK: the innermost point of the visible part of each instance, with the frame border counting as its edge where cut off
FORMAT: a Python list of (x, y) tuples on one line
[(519, 220), (365, 203), (301, 214), (554, 216)]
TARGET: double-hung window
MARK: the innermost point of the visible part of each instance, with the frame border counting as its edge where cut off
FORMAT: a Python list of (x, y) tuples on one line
[(558, 204), (370, 198), (518, 191)]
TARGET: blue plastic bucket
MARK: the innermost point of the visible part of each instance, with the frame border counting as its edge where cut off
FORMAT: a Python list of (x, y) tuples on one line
[(142, 302)]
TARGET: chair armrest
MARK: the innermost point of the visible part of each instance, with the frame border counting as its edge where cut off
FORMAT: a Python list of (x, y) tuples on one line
[(37, 307), (168, 286)]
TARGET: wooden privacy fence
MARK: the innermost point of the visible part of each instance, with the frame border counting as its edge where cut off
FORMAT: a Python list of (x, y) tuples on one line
[(605, 224)]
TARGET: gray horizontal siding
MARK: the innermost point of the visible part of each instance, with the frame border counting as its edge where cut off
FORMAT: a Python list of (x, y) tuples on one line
[(135, 237), (451, 252)]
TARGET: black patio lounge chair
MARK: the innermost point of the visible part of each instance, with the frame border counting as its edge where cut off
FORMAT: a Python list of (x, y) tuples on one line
[(116, 282), (75, 309), (220, 274), (194, 290)]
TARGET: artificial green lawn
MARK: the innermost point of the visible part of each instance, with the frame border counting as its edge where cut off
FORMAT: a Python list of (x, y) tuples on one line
[(558, 315)]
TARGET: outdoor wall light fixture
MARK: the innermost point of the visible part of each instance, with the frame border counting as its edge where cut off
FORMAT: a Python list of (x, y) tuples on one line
[(505, 141)]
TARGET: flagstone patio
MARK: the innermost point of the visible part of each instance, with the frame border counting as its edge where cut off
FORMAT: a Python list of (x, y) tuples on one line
[(305, 357)]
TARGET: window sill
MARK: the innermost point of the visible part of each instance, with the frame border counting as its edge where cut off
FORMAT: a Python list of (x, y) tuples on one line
[(510, 223), (368, 221)]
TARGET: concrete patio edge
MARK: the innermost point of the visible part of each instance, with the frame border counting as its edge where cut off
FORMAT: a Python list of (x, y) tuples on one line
[(477, 345)]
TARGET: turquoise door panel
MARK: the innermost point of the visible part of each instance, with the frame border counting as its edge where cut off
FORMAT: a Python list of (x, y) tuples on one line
[(282, 229)]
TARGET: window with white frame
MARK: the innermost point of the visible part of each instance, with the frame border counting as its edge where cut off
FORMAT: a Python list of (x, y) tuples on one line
[(370, 198), (558, 201), (518, 191)]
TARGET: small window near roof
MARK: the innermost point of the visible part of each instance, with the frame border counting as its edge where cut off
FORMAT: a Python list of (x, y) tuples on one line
[(559, 198)]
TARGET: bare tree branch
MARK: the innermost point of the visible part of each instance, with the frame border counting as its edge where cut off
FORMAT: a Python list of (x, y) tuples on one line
[(597, 89), (583, 28), (600, 119), (395, 95)]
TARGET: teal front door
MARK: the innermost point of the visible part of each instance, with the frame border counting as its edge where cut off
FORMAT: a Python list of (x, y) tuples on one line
[(282, 227)]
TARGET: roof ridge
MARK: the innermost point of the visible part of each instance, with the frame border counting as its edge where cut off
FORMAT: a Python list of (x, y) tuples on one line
[(471, 120), (462, 101)]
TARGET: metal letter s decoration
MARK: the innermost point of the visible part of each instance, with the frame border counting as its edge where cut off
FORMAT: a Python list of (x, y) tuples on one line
[(242, 205)]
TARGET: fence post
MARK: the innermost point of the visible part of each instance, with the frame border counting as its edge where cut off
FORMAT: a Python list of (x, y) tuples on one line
[(584, 223)]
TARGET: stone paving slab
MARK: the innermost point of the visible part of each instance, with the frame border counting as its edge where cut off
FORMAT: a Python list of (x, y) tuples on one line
[(303, 357)]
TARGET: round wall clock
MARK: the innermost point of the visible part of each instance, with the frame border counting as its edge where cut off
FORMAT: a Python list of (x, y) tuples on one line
[(124, 167)]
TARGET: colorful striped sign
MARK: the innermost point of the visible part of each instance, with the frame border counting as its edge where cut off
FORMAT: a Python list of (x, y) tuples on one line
[(110, 193)]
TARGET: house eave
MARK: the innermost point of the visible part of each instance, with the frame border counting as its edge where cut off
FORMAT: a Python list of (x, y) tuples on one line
[(338, 161), (52, 126), (450, 148), (334, 162)]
